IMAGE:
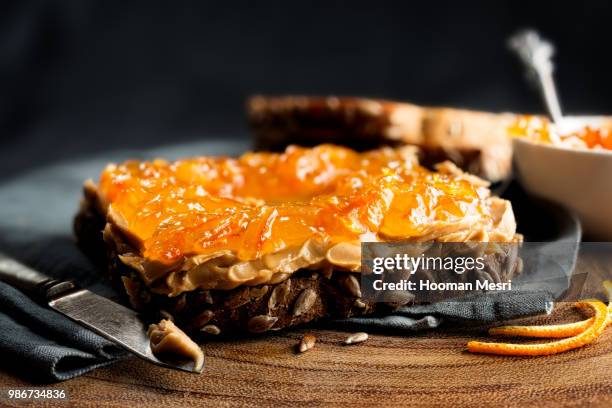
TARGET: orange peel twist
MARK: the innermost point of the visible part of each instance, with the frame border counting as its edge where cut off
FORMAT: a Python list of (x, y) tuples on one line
[(556, 331), (553, 331), (587, 336)]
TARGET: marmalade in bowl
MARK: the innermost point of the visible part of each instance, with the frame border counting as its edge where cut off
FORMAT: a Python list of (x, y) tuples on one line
[(541, 130)]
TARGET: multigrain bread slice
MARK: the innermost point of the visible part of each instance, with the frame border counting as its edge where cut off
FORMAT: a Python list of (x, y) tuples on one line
[(475, 141), (321, 288), (306, 296)]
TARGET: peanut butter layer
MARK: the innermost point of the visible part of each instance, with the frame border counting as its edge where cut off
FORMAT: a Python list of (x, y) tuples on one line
[(166, 338), (217, 223)]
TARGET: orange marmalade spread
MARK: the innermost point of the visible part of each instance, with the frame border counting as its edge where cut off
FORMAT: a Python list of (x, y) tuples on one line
[(541, 130), (269, 214)]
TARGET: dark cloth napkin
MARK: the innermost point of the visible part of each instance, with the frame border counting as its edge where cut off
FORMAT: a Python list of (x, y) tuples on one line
[(42, 345), (36, 211), (471, 309)]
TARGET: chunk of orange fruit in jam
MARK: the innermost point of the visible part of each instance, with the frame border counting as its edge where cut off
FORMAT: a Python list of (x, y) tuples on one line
[(261, 203)]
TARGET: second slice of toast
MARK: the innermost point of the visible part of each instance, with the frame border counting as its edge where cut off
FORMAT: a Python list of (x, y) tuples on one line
[(475, 141)]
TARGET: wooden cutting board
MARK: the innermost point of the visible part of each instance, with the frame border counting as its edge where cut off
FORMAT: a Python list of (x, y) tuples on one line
[(424, 369)]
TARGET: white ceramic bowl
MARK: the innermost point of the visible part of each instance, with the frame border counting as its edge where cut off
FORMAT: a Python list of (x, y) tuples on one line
[(579, 179)]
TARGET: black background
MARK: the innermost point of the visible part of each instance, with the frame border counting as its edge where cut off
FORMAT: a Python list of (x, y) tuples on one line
[(77, 77)]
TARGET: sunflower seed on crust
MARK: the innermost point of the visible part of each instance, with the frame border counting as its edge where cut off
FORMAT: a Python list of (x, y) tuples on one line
[(180, 303), (203, 318), (261, 323), (279, 294), (356, 338), (398, 298), (304, 302), (359, 304), (307, 342), (518, 267), (350, 284), (256, 293), (211, 329)]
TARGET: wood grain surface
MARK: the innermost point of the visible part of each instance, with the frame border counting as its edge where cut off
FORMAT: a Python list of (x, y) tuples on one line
[(425, 369)]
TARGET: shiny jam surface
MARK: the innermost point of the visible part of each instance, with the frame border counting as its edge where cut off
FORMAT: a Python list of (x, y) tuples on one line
[(541, 130), (263, 202)]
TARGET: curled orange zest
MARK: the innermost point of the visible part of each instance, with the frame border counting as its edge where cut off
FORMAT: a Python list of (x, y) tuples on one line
[(553, 331), (588, 336)]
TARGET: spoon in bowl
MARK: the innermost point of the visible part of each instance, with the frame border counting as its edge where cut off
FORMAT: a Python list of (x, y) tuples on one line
[(536, 54)]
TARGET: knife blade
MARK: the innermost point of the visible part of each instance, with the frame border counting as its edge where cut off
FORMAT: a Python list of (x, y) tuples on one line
[(117, 323)]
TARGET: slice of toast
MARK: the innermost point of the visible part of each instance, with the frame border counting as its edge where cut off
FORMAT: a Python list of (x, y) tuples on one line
[(142, 213), (475, 141)]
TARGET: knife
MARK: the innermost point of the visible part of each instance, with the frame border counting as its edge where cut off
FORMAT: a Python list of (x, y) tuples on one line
[(109, 319)]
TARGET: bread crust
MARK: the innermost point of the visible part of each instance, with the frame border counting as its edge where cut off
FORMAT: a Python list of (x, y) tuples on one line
[(475, 141)]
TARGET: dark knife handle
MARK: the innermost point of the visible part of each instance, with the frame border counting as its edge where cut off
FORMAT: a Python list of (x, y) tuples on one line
[(30, 281)]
